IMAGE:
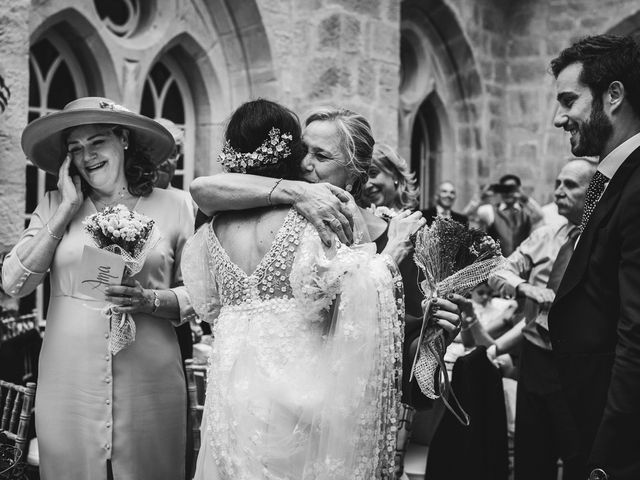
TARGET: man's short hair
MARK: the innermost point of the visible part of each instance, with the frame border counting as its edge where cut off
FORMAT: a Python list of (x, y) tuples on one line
[(510, 176), (605, 59)]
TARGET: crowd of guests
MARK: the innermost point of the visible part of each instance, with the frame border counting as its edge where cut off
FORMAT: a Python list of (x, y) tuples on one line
[(310, 362)]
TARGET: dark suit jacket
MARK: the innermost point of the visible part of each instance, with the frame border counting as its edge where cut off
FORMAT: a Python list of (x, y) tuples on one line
[(431, 213), (595, 329)]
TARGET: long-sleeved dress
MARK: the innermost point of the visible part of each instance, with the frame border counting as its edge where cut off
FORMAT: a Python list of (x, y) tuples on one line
[(294, 391), (91, 406)]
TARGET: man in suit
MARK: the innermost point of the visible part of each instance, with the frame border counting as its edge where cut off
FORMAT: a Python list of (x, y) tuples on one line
[(595, 318), (445, 198)]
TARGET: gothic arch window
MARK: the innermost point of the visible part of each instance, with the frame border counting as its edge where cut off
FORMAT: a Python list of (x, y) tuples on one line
[(55, 78), (167, 95)]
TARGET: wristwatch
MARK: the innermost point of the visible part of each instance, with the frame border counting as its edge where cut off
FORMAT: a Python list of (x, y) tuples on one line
[(156, 301)]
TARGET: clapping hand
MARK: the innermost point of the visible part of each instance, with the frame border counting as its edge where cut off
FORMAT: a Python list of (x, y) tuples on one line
[(541, 295)]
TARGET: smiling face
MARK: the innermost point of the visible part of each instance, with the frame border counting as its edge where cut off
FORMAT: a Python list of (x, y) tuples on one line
[(571, 188), (580, 114), (98, 154), (446, 195), (325, 159), (380, 188)]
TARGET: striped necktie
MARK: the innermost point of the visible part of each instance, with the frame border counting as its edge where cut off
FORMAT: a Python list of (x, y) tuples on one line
[(594, 191)]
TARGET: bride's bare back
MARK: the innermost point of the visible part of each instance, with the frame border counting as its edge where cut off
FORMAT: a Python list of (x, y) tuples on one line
[(247, 235)]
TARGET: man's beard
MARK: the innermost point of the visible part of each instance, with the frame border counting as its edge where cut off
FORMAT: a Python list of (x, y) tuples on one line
[(594, 134)]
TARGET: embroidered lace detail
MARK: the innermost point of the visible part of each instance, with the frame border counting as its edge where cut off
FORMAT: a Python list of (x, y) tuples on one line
[(270, 279), (305, 376)]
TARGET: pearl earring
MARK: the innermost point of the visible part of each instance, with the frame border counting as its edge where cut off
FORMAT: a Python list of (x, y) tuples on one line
[(348, 187)]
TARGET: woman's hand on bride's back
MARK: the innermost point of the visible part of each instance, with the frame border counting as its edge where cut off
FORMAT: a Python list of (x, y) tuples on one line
[(402, 228)]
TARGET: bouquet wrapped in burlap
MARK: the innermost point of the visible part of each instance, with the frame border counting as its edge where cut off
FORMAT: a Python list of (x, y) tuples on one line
[(119, 230), (454, 259)]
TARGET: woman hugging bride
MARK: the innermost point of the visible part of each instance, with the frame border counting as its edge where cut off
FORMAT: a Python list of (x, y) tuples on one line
[(306, 364)]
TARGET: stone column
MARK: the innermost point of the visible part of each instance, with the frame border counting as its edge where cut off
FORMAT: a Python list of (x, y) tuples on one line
[(14, 68)]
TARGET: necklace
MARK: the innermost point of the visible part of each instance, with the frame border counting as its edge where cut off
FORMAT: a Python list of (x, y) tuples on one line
[(122, 196)]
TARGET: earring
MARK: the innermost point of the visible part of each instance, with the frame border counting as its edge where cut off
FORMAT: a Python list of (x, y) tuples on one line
[(349, 187), (126, 146), (395, 182)]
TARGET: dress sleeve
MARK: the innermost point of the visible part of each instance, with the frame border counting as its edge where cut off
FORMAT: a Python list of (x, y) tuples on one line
[(185, 231), (363, 355), (199, 275), (18, 280)]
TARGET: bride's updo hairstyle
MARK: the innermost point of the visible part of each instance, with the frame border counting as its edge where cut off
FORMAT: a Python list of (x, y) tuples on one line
[(249, 128)]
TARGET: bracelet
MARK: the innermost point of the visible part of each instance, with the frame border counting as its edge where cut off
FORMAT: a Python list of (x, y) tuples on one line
[(272, 189), (51, 234)]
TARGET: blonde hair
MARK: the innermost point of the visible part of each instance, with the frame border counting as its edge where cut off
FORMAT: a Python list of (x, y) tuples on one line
[(388, 160), (356, 140)]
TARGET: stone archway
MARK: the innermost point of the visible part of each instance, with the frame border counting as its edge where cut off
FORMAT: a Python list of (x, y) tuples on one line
[(439, 83)]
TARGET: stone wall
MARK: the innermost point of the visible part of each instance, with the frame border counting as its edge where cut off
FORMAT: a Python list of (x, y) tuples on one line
[(338, 52), (14, 68)]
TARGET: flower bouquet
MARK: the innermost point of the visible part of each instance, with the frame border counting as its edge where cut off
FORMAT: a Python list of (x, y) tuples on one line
[(454, 259), (128, 234)]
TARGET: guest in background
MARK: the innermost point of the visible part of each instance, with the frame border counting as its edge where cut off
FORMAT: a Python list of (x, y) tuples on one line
[(390, 183), (166, 172), (444, 200), (512, 220), (102, 415), (545, 428)]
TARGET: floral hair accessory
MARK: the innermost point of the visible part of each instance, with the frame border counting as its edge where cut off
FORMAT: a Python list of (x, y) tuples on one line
[(270, 152)]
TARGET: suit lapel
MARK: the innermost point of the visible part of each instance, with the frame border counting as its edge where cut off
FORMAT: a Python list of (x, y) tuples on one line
[(606, 205)]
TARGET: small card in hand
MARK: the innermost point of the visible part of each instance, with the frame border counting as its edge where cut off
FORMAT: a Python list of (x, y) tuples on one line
[(99, 269)]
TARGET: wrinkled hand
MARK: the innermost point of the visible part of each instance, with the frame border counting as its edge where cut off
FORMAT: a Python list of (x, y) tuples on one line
[(131, 298), (325, 207), (541, 295), (70, 188), (446, 314)]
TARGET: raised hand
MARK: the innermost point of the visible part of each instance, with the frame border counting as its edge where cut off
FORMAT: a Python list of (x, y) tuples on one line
[(70, 188), (325, 207)]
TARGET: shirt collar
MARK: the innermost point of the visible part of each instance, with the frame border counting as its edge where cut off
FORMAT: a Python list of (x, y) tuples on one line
[(611, 163)]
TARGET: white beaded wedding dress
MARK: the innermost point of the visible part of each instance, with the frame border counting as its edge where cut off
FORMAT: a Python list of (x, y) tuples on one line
[(304, 375)]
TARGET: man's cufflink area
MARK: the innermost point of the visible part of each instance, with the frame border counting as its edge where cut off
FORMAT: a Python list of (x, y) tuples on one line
[(598, 474)]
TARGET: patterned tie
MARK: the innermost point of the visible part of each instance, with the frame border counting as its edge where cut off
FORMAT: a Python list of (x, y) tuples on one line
[(596, 187)]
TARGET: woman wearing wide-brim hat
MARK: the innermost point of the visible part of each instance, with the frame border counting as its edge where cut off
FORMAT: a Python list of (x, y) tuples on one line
[(102, 415)]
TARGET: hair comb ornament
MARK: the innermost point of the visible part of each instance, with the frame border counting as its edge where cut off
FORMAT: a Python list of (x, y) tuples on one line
[(274, 149)]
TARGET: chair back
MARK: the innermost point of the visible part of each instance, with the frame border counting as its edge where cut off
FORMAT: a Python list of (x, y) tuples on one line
[(196, 387), (16, 404)]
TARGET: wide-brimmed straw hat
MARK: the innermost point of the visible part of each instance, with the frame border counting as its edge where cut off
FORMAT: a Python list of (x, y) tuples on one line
[(42, 139)]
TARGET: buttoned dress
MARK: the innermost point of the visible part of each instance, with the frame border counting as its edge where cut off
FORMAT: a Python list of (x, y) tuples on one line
[(92, 406)]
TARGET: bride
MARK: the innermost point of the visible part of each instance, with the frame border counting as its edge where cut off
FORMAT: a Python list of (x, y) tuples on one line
[(306, 364)]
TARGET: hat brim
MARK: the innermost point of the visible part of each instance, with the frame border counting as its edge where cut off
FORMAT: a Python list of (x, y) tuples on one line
[(42, 140)]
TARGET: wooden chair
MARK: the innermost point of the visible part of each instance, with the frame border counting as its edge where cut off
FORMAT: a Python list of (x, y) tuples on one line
[(16, 404), (196, 386)]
